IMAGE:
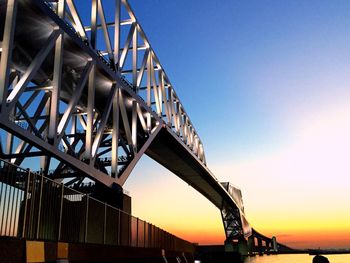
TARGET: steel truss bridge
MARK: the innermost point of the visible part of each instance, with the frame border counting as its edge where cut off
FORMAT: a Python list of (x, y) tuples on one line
[(82, 89)]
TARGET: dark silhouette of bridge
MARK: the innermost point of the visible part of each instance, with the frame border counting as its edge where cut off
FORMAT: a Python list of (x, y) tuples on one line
[(83, 97)]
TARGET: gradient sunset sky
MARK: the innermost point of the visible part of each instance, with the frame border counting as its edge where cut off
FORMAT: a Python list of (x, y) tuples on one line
[(267, 86)]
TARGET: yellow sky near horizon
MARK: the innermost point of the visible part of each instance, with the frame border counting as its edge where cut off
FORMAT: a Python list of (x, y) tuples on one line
[(298, 193)]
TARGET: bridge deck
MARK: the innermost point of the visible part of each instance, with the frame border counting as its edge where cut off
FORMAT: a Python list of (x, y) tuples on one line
[(168, 150)]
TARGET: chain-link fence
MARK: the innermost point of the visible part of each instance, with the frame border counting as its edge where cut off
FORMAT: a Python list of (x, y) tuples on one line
[(35, 207)]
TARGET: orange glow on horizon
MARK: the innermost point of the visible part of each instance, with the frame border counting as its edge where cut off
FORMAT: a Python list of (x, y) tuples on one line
[(298, 240), (313, 238), (295, 239), (202, 237), (298, 193)]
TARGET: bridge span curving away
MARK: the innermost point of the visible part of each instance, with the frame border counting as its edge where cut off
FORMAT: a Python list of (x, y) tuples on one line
[(82, 90)]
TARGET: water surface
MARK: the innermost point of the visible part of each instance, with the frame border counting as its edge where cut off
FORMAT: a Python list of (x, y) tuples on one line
[(296, 258)]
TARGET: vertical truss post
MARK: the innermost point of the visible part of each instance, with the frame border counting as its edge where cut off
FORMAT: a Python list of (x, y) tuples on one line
[(155, 87), (93, 37), (134, 125), (56, 81), (159, 90), (149, 65), (148, 96), (115, 134), (7, 46), (165, 99), (178, 116), (117, 32), (90, 113), (170, 107), (9, 136), (44, 159), (134, 59)]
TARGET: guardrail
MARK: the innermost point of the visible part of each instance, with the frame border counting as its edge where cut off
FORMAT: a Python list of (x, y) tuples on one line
[(35, 207)]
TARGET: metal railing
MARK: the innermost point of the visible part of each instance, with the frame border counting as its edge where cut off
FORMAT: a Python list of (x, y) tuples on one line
[(35, 207)]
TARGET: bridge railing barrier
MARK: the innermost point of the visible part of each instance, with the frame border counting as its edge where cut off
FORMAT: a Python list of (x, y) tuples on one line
[(35, 207), (12, 196)]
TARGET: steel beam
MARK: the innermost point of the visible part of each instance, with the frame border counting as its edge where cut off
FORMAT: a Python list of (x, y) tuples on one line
[(6, 49)]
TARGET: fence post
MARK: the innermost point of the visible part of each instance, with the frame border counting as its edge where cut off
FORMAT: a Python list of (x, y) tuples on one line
[(39, 210), (137, 232), (6, 196), (12, 197), (119, 226), (61, 211), (25, 205), (129, 228), (144, 233), (33, 196), (86, 218), (104, 225), (1, 193)]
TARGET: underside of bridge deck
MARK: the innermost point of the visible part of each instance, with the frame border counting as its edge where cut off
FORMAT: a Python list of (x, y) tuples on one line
[(169, 151)]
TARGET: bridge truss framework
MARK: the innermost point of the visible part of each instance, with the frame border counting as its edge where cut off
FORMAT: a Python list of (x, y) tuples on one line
[(83, 90), (72, 98)]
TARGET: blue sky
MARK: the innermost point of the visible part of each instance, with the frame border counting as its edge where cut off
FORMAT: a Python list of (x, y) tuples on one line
[(247, 66), (266, 84)]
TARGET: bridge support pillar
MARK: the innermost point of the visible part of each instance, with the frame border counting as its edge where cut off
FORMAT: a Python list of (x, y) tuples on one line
[(240, 247), (251, 245), (243, 247), (229, 246), (268, 246), (274, 245), (260, 247)]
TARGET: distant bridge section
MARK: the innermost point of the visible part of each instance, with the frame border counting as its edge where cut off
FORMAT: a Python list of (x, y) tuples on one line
[(261, 244)]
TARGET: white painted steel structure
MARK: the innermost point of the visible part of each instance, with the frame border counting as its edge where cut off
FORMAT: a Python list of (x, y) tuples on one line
[(82, 89)]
